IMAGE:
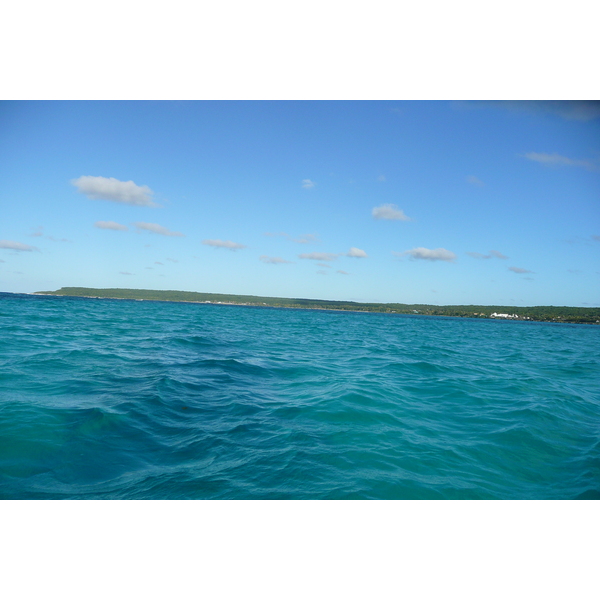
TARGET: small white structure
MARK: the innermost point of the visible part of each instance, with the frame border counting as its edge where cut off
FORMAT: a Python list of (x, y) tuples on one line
[(503, 316)]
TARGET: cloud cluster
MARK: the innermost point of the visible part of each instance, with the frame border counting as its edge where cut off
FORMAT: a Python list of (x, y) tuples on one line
[(329, 256), (572, 110), (10, 245), (492, 254), (274, 260), (307, 184), (110, 225), (557, 159), (308, 238), (324, 256), (39, 232), (223, 244), (389, 212), (427, 254), (475, 181), (109, 188), (158, 229), (356, 253)]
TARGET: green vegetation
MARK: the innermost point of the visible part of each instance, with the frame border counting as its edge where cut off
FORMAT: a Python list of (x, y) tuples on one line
[(561, 314)]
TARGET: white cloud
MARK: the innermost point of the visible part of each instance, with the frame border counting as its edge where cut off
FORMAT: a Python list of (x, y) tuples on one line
[(109, 188), (552, 159), (356, 253), (39, 232), (307, 184), (492, 254), (381, 178), (474, 181), (125, 273), (274, 260), (324, 265), (389, 212), (223, 244), (306, 239), (519, 270), (159, 263), (342, 272), (324, 256), (173, 260), (303, 239), (427, 254), (110, 225), (159, 229), (558, 160), (10, 245)]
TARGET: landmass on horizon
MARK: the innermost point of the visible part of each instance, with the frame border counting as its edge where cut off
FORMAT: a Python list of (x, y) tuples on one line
[(562, 314)]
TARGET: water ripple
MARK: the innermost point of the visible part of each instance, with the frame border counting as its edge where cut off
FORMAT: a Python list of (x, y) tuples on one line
[(119, 399)]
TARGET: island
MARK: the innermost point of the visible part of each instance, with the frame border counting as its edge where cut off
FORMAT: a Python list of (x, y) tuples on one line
[(557, 314)]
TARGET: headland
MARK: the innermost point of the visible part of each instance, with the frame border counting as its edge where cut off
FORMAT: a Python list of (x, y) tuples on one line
[(557, 314)]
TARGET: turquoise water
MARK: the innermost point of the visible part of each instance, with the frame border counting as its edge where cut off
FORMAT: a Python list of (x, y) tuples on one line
[(127, 399)]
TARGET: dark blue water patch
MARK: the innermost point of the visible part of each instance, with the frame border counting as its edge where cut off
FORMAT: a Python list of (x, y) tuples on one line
[(123, 399)]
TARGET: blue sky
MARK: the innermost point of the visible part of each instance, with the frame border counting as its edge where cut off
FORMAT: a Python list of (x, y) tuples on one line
[(387, 201)]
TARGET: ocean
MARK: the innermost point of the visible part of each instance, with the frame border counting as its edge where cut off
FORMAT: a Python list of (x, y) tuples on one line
[(122, 399)]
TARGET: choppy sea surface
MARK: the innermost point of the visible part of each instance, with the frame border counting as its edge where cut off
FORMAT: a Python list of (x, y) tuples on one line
[(120, 399)]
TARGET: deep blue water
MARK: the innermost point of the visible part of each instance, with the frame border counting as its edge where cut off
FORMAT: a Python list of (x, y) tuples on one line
[(125, 399)]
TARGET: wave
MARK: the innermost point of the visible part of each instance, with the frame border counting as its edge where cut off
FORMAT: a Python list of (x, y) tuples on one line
[(102, 399)]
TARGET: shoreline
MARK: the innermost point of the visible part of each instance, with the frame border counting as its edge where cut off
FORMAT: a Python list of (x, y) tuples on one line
[(548, 314)]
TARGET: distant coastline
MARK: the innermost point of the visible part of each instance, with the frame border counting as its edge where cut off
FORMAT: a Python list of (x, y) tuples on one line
[(557, 314)]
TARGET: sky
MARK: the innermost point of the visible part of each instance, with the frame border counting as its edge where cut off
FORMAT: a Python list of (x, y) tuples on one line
[(435, 202)]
